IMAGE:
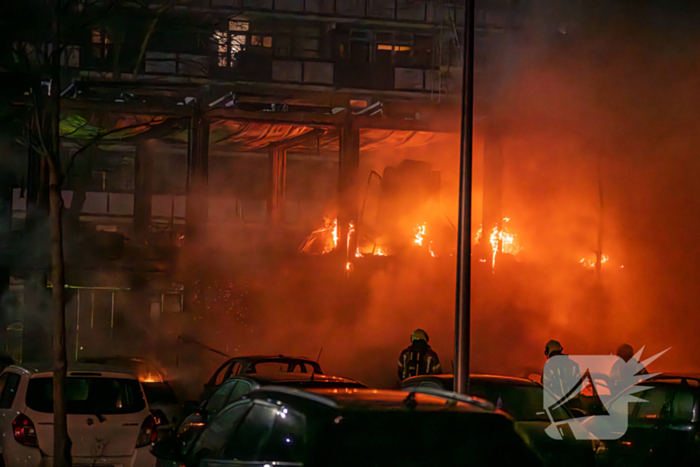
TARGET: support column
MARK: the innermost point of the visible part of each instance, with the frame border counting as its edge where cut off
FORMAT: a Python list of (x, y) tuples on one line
[(143, 191), (277, 185), (197, 208), (348, 187)]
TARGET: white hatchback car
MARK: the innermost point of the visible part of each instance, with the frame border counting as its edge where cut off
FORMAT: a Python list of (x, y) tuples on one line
[(108, 418)]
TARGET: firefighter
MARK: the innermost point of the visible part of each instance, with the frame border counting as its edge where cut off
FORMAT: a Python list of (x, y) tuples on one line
[(418, 358), (560, 376), (623, 371)]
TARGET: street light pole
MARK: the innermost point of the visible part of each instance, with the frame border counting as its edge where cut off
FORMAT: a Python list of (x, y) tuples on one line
[(463, 305)]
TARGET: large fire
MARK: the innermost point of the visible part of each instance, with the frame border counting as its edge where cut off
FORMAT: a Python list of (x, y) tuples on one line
[(501, 240), (590, 263)]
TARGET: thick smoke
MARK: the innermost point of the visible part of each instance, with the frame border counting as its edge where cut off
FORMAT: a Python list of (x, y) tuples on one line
[(587, 93)]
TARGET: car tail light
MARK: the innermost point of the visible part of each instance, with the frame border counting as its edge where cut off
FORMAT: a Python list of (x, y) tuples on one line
[(24, 431), (148, 433), (159, 417)]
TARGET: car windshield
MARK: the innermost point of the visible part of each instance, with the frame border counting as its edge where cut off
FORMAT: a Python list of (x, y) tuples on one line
[(88, 395), (523, 403), (397, 438)]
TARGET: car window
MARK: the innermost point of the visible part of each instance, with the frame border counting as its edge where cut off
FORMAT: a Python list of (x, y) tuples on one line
[(285, 442), (242, 388), (220, 375), (88, 395), (213, 439), (683, 407), (657, 402), (247, 442), (270, 367), (218, 400), (236, 369), (3, 381), (523, 403), (9, 389)]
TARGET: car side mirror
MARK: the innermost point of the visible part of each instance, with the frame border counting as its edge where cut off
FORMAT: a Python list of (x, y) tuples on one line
[(169, 449)]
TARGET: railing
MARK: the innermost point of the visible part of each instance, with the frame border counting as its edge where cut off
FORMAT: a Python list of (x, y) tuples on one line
[(395, 10)]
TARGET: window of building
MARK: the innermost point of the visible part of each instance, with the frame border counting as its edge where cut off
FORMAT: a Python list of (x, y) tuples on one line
[(100, 44), (261, 41), (231, 42)]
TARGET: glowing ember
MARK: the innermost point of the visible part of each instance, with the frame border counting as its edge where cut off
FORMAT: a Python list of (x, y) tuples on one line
[(348, 266), (351, 230), (590, 263), (430, 248), (501, 241), (150, 378), (380, 251), (358, 253), (419, 232)]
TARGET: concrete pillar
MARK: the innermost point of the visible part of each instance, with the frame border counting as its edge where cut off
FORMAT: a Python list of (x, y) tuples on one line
[(197, 209), (277, 185), (143, 190), (348, 187)]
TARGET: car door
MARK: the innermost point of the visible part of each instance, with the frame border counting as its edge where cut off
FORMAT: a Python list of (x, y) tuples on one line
[(269, 435)]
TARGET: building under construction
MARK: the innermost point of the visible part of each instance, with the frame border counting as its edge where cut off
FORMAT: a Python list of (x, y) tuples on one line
[(231, 116)]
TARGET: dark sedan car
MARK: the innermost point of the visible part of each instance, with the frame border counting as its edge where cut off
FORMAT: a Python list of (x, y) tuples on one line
[(665, 429), (353, 427), (522, 399), (238, 386), (260, 364)]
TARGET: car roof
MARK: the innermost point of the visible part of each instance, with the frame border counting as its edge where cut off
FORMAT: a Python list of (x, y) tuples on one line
[(281, 377), (74, 369), (669, 378), (251, 358), (367, 399), (480, 379)]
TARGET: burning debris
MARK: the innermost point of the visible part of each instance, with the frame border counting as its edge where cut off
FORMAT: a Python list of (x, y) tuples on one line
[(323, 240), (501, 241), (590, 263)]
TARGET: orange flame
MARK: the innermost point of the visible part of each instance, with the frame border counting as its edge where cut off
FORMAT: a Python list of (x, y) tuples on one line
[(419, 232), (502, 241), (380, 251), (590, 263)]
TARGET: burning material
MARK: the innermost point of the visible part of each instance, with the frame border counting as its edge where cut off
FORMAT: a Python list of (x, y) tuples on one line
[(590, 263), (419, 232), (380, 251), (150, 378), (323, 240), (501, 241)]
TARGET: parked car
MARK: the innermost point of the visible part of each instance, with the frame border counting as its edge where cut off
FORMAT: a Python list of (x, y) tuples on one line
[(238, 386), (665, 429), (108, 417), (260, 364), (164, 405), (354, 427), (522, 399)]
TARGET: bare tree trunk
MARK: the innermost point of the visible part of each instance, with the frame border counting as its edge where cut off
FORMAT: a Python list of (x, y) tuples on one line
[(61, 442)]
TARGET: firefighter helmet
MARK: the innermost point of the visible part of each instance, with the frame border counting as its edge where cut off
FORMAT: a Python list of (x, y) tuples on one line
[(419, 334), (552, 346)]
